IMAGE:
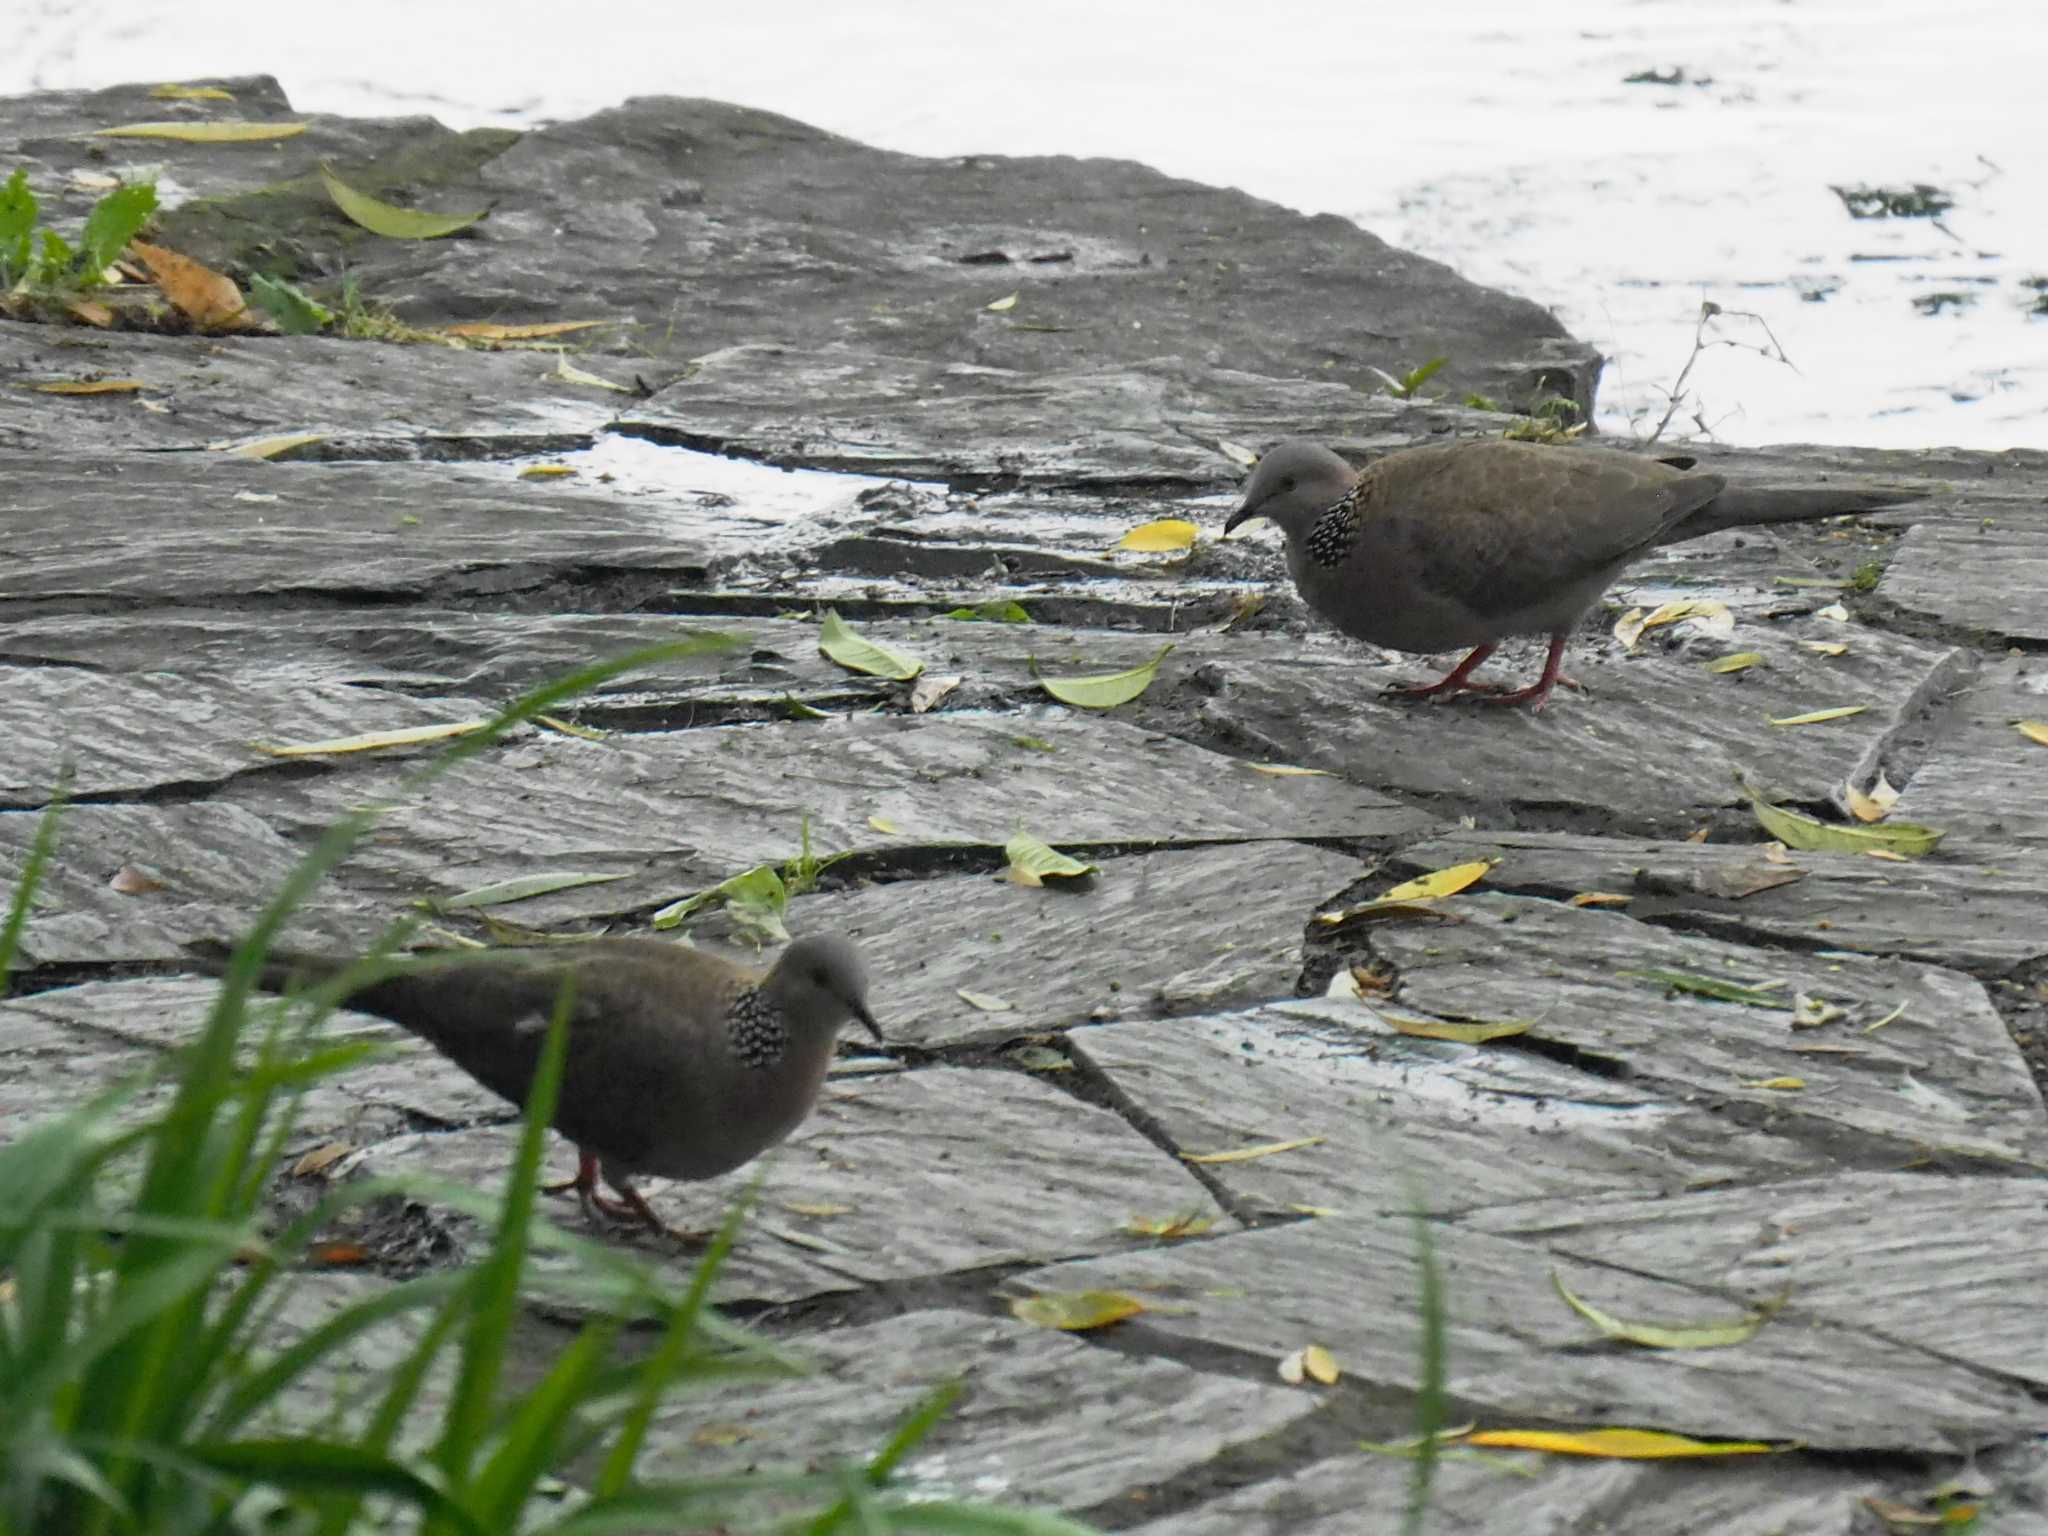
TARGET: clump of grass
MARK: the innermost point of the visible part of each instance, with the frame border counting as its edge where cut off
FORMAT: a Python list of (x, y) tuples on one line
[(39, 267), (138, 1371)]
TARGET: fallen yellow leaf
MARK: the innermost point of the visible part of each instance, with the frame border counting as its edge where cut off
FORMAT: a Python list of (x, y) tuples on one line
[(1289, 771), (267, 447), (1777, 1084), (1076, 1311), (547, 472), (885, 826), (2033, 730), (1819, 716), (1465, 1032), (1164, 536), (486, 330), (1667, 1336), (1599, 899), (1440, 882), (1826, 647), (1007, 302), (1741, 661), (1246, 1154), (1625, 1444), (204, 133), (1874, 804), (88, 387), (409, 737)]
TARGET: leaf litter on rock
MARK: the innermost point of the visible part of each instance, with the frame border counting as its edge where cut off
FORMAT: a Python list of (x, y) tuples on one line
[(855, 652), (1102, 690), (1033, 862)]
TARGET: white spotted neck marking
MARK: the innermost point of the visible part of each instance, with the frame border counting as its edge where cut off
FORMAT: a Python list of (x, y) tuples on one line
[(757, 1031), (1333, 534)]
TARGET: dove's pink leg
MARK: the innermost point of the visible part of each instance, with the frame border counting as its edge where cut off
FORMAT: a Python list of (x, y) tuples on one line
[(1451, 682), (1537, 694)]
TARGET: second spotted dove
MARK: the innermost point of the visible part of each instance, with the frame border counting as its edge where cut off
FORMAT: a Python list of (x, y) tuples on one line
[(1464, 544)]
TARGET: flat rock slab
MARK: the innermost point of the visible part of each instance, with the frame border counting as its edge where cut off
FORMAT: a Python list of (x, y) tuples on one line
[(1939, 909), (679, 811), (398, 401), (1981, 778), (1669, 1091), (895, 1177), (1518, 1354), (217, 529), (213, 866), (1992, 580), (1161, 933), (1511, 1493), (1153, 422), (156, 731), (1873, 1251), (98, 1032), (1941, 1076), (1656, 744), (1339, 1117), (1046, 1420)]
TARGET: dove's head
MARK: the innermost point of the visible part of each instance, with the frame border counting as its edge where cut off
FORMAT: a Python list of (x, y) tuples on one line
[(1294, 484), (820, 982)]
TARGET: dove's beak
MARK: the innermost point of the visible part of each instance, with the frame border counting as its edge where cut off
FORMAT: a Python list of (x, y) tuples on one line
[(860, 1011), (1244, 514)]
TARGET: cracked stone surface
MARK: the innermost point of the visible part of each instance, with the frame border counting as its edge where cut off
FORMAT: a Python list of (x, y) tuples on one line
[(1857, 1138)]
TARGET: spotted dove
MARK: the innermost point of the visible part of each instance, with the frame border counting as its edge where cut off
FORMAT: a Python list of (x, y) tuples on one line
[(1466, 543), (680, 1064)]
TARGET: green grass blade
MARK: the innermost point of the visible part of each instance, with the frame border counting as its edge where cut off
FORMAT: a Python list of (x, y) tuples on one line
[(40, 850), (1432, 1408), (495, 1293), (258, 1387), (876, 1473), (667, 1358), (531, 1444), (316, 1465)]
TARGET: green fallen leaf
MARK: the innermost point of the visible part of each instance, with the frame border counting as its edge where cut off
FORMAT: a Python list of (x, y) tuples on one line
[(391, 222), (1033, 862), (1795, 829), (858, 654), (1741, 661), (995, 611), (1103, 690), (295, 313), (1712, 986), (755, 899), (1672, 1336), (522, 889)]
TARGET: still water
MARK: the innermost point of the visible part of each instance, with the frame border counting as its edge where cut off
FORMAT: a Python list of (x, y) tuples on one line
[(1503, 138)]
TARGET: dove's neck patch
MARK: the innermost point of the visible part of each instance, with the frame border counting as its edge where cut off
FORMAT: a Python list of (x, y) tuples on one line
[(757, 1029), (1331, 536)]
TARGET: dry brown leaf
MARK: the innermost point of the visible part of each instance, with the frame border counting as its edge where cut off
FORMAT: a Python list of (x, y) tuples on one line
[(209, 299), (321, 1158), (1874, 804), (337, 1255), (1312, 1362), (1599, 899), (929, 691), (1189, 1223), (90, 312), (130, 881)]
